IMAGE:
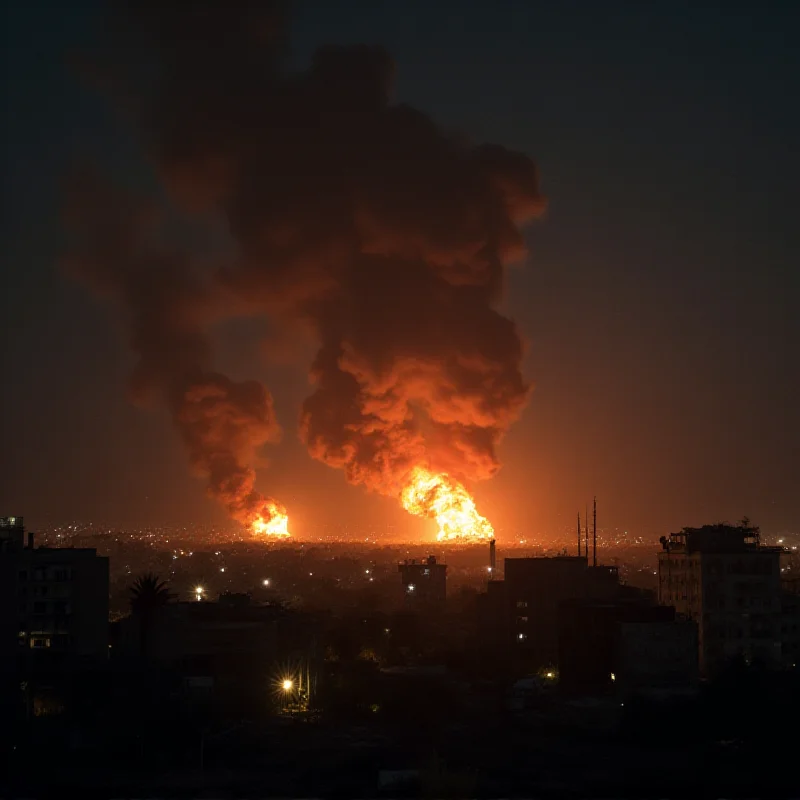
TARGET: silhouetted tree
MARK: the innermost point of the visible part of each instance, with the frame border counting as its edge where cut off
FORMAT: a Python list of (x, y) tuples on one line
[(149, 595)]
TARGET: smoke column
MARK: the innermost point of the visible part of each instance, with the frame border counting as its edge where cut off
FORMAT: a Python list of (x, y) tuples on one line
[(354, 217), (222, 423)]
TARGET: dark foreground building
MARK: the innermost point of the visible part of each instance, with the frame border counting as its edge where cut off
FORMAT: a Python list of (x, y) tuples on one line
[(53, 603), (521, 611), (424, 582), (624, 647)]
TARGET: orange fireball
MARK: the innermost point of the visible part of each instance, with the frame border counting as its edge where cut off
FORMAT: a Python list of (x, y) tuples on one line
[(272, 521), (444, 499)]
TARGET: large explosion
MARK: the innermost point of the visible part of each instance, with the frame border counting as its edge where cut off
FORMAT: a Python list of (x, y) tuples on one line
[(350, 218), (448, 502)]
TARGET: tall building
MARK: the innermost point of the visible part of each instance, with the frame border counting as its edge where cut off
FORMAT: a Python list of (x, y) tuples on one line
[(522, 609), (424, 582), (721, 577), (53, 602)]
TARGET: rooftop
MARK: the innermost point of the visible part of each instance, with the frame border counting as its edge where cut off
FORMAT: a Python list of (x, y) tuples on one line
[(719, 538)]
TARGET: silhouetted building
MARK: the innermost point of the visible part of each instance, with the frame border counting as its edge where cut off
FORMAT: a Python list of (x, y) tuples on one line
[(12, 533), (235, 649), (522, 610), (624, 647), (53, 602), (424, 582), (231, 630), (790, 628), (725, 580)]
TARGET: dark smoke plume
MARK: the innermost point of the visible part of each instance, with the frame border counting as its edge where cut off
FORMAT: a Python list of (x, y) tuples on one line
[(355, 217), (165, 306)]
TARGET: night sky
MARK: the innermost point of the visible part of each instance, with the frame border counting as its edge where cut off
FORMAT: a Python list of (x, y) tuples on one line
[(660, 301)]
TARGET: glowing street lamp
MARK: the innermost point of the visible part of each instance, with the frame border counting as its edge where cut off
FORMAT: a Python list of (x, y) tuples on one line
[(265, 582), (287, 685), (198, 593)]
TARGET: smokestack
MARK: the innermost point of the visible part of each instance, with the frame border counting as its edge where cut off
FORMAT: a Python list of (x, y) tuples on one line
[(594, 534), (579, 534), (30, 540), (492, 556)]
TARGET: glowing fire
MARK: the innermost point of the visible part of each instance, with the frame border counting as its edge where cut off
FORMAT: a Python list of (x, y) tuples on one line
[(448, 502), (272, 521)]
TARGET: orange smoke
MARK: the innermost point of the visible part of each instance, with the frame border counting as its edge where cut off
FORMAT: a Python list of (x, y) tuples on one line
[(448, 502), (271, 521)]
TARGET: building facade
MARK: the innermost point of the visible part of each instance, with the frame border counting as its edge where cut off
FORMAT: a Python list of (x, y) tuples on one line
[(424, 582), (721, 577), (53, 602), (624, 647), (534, 589)]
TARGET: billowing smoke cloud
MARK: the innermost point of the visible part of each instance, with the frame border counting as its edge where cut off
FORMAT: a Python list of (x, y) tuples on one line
[(359, 219), (223, 424)]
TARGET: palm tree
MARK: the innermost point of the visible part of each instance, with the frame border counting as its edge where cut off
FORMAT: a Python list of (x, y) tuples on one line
[(149, 595)]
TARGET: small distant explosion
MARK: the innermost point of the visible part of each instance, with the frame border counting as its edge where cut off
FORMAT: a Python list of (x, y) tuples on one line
[(272, 521), (448, 502)]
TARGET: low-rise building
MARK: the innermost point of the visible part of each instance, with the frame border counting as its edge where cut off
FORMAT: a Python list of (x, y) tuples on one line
[(624, 647), (424, 582)]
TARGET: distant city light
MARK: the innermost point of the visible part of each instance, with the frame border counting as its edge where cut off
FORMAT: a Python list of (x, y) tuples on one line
[(550, 675), (222, 569), (366, 572), (613, 676), (411, 587), (266, 581), (198, 592), (488, 569)]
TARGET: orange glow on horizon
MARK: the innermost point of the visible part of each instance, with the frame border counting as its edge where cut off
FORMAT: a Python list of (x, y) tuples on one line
[(444, 499), (272, 521)]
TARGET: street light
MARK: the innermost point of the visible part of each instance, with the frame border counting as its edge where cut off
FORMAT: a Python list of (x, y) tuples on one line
[(265, 581), (198, 593), (287, 685)]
